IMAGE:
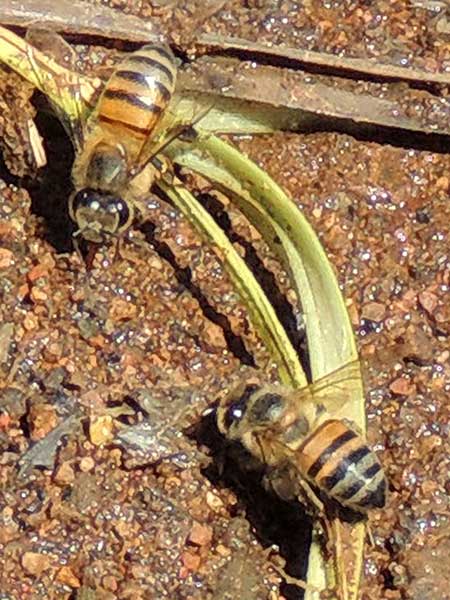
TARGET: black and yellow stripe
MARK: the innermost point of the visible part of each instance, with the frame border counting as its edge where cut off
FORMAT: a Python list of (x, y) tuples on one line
[(339, 462), (138, 91)]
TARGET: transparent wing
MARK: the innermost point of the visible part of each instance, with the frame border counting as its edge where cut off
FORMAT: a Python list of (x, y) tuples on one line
[(335, 389), (62, 88), (177, 121)]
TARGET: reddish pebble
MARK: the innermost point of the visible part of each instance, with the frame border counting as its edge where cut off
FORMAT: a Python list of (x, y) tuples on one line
[(6, 258), (67, 577), (200, 535), (42, 420), (37, 272), (5, 420), (428, 301), (374, 311), (65, 474), (190, 561), (402, 387)]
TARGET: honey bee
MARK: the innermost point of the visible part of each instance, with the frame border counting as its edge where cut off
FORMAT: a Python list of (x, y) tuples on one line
[(116, 144), (292, 429), (113, 149)]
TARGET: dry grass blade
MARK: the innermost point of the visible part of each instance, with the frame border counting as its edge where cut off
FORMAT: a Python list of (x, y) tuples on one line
[(296, 100), (78, 17), (234, 92), (64, 88)]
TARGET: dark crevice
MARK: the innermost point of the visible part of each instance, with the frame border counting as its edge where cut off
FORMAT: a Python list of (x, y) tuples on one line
[(7, 176), (285, 62), (380, 134), (184, 276)]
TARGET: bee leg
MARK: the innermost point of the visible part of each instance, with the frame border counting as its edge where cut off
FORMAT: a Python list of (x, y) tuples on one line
[(163, 168), (117, 249), (280, 569), (308, 496), (370, 535), (77, 249), (278, 480)]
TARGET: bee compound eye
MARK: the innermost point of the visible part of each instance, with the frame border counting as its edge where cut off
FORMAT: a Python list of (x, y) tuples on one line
[(121, 208), (85, 198), (234, 414), (237, 409)]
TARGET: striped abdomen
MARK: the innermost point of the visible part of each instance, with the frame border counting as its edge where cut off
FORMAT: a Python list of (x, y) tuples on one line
[(338, 461), (138, 91)]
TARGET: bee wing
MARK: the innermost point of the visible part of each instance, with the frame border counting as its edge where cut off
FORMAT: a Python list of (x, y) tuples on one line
[(335, 389), (172, 126), (71, 108)]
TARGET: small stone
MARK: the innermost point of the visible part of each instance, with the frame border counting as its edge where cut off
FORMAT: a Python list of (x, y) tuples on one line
[(100, 430), (213, 335), (223, 550), (65, 474), (87, 463), (121, 310), (110, 583), (67, 577), (402, 387), (5, 420), (429, 443), (8, 533), (200, 535), (30, 322), (35, 563), (442, 182), (38, 295), (428, 301), (6, 258), (213, 501), (42, 419), (317, 212), (37, 272), (374, 311), (190, 561), (443, 357)]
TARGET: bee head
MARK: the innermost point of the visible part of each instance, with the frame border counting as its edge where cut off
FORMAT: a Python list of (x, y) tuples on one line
[(99, 215), (249, 410)]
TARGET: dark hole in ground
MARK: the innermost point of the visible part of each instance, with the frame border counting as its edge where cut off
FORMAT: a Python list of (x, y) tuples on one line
[(6, 176), (273, 520), (50, 189)]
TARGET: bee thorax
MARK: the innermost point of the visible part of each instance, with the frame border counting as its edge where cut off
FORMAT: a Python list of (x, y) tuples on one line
[(107, 168)]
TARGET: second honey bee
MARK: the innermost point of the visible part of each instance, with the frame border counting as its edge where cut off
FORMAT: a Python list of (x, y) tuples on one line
[(284, 427)]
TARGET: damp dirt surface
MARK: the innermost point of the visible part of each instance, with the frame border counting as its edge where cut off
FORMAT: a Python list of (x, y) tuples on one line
[(114, 482)]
